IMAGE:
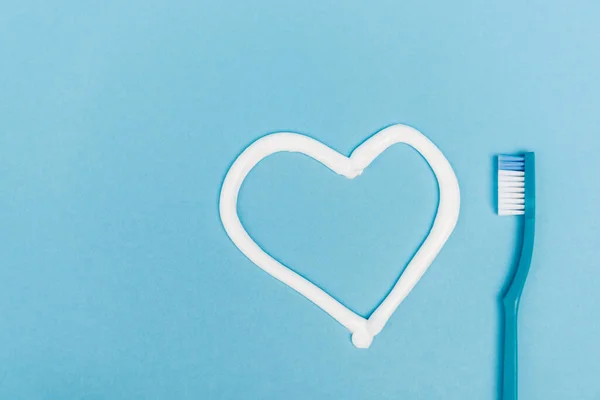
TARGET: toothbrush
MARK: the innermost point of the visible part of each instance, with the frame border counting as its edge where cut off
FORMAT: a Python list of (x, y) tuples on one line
[(516, 196)]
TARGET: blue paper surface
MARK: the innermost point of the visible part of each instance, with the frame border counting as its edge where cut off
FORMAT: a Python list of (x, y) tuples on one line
[(119, 120)]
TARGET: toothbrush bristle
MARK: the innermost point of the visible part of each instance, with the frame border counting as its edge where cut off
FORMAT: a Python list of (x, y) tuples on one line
[(511, 185)]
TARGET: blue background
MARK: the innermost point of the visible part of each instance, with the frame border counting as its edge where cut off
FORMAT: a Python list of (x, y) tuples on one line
[(118, 121)]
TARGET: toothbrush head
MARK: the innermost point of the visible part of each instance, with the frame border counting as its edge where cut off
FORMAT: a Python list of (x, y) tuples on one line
[(516, 180)]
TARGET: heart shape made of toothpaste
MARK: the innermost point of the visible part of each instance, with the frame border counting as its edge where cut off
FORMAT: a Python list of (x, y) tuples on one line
[(363, 329)]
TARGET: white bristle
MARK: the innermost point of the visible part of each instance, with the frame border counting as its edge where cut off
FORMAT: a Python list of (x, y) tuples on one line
[(510, 206), (511, 178), (505, 184), (511, 186), (511, 190), (511, 195), (509, 200), (503, 172), (510, 212)]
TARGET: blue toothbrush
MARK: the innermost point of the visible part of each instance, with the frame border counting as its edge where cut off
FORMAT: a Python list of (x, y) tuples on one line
[(516, 196)]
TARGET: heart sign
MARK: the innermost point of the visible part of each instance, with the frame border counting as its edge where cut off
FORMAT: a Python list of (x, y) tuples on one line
[(363, 329)]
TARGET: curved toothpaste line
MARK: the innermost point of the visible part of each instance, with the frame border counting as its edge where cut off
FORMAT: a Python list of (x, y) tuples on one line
[(363, 330)]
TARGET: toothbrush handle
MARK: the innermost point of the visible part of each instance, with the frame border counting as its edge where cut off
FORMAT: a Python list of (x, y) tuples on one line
[(510, 374), (511, 312)]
